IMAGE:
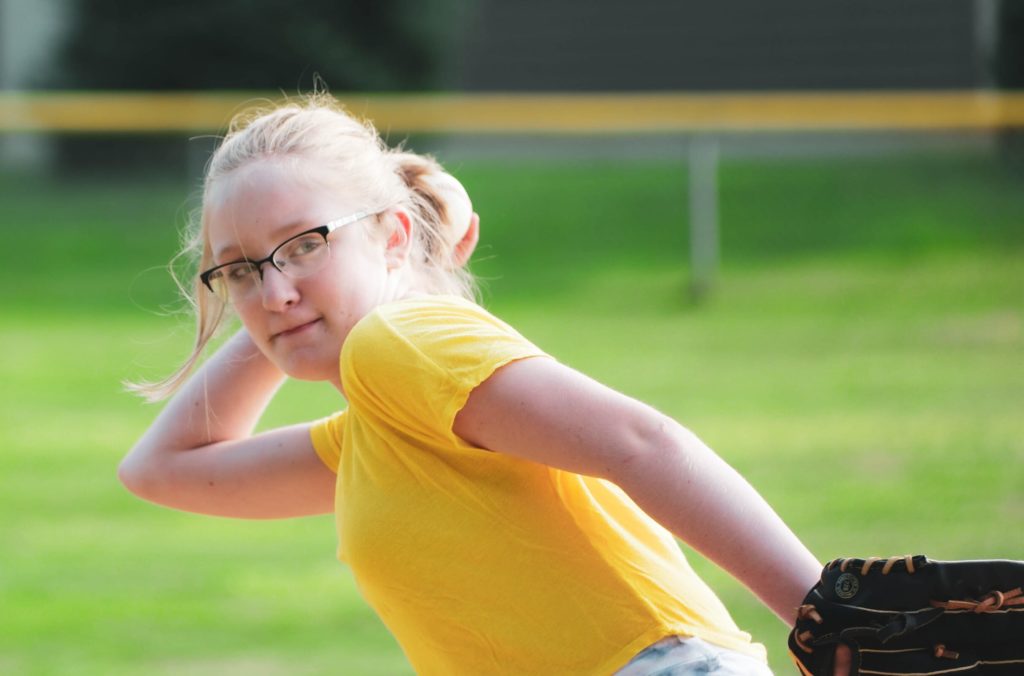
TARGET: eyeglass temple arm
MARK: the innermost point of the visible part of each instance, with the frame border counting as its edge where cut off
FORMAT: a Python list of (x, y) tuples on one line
[(334, 225)]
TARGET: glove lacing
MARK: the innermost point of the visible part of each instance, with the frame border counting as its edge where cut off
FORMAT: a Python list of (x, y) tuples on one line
[(908, 562)]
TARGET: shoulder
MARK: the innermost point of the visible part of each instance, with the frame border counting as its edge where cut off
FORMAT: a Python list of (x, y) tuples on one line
[(423, 311), (424, 324), (431, 337)]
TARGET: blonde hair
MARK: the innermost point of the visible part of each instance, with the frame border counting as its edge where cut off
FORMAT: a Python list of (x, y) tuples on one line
[(317, 128)]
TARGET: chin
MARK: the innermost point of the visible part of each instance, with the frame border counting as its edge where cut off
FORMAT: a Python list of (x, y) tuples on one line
[(308, 374), (306, 369)]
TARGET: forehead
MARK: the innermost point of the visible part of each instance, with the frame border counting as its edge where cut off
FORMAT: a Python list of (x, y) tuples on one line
[(267, 199)]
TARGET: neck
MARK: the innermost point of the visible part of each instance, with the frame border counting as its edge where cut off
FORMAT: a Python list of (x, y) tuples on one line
[(400, 284)]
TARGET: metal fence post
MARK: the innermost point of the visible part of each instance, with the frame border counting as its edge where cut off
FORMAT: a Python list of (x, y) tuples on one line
[(704, 254)]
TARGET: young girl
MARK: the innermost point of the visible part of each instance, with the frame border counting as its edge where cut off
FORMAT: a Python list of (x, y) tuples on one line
[(501, 512)]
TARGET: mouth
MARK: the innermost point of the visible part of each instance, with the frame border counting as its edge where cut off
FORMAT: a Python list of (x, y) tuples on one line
[(295, 330)]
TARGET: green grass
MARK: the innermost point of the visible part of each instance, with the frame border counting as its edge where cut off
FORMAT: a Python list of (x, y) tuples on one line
[(862, 363)]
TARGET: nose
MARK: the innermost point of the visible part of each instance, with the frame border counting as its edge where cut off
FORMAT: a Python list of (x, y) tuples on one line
[(277, 290)]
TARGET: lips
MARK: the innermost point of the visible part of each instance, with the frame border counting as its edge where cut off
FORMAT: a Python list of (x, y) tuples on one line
[(295, 330)]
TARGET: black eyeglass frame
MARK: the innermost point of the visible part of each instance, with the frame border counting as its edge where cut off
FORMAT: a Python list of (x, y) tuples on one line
[(322, 230)]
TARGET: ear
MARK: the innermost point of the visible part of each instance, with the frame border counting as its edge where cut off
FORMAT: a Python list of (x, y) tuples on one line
[(465, 246), (399, 241)]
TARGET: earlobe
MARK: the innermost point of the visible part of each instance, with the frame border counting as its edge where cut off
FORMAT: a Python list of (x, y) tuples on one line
[(399, 239)]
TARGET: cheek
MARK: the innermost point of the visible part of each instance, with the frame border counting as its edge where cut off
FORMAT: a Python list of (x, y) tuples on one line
[(247, 314), (252, 319), (352, 289)]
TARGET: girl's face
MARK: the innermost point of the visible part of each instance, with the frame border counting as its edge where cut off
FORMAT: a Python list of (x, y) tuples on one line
[(300, 324)]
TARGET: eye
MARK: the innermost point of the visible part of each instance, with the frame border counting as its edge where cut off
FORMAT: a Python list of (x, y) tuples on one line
[(238, 272), (306, 245)]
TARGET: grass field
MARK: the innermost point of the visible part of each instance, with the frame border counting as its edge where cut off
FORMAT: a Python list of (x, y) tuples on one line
[(862, 363)]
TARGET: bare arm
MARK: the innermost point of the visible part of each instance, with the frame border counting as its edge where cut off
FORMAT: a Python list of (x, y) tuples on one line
[(199, 455), (543, 411)]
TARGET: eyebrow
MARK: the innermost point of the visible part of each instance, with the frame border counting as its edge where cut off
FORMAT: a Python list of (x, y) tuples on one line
[(296, 226)]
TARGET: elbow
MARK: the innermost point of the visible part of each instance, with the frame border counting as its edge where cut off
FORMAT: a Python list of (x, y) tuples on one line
[(652, 443), (137, 477)]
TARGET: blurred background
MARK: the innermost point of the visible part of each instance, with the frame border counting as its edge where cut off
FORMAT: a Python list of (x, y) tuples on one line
[(794, 226)]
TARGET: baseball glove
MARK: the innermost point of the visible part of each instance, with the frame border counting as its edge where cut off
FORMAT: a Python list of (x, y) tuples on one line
[(910, 615)]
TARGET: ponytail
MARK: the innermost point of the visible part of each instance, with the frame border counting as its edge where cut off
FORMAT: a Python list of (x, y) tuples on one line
[(444, 206)]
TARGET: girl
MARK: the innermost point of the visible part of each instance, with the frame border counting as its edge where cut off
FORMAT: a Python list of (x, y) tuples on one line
[(501, 512)]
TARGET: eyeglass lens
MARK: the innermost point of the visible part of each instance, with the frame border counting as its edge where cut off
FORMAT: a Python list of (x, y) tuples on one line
[(296, 258)]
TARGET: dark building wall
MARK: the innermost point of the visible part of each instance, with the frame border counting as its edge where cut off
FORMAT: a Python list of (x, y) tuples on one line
[(544, 45)]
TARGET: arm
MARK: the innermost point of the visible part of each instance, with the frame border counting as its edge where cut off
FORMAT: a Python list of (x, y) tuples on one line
[(543, 411), (200, 456)]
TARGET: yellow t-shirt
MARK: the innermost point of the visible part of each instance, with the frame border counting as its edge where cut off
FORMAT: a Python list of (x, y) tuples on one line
[(480, 562)]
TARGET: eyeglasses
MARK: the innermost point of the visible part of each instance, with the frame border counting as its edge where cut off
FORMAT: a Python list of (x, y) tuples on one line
[(298, 256)]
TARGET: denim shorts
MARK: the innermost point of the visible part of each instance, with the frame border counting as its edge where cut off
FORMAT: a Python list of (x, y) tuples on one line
[(679, 656)]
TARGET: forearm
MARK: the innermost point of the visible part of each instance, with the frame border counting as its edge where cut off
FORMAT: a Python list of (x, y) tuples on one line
[(223, 400), (200, 454), (706, 503)]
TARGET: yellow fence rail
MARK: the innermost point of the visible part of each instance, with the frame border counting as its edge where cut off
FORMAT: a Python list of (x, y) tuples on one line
[(492, 113)]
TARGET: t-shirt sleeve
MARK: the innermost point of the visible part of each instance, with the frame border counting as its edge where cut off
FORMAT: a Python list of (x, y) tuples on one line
[(327, 435), (412, 365)]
